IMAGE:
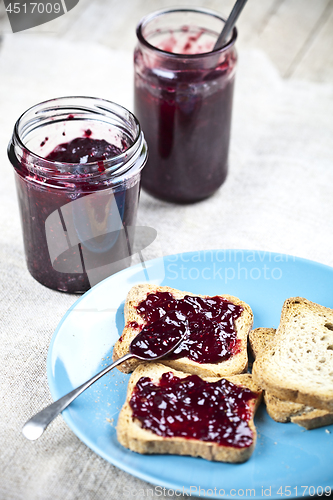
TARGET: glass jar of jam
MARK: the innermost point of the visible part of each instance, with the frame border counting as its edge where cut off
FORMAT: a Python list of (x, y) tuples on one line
[(183, 100), (77, 163)]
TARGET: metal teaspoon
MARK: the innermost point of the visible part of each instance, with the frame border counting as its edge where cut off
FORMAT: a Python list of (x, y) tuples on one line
[(229, 24)]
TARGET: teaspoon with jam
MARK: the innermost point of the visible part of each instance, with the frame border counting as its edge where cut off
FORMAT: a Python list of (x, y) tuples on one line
[(148, 345)]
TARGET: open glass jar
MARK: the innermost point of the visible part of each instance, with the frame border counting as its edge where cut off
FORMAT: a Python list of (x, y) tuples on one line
[(183, 100), (77, 216)]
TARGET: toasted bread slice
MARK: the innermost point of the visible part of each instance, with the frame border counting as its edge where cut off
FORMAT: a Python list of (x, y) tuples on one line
[(312, 418), (132, 435), (260, 339), (286, 411), (297, 366), (237, 363)]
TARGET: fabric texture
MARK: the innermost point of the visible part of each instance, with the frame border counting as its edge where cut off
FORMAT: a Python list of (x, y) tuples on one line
[(277, 197)]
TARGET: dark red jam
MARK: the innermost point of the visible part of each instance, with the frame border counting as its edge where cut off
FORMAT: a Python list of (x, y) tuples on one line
[(186, 116), (83, 150), (211, 336), (191, 408), (133, 324), (40, 197), (159, 338)]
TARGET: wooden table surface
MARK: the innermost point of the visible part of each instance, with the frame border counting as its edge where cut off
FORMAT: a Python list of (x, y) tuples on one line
[(297, 35)]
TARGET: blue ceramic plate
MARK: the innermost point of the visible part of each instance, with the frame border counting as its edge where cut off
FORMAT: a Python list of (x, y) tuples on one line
[(287, 462)]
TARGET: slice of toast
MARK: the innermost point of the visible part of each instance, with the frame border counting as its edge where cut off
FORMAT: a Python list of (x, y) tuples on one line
[(298, 364), (131, 433), (134, 322), (286, 411)]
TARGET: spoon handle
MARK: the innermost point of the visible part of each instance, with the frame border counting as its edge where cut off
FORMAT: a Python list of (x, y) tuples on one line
[(35, 427), (230, 23)]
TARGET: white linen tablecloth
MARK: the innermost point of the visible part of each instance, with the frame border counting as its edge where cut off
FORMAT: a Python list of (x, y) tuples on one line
[(278, 197)]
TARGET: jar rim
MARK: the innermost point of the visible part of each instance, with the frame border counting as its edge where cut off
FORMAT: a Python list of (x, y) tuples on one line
[(113, 164), (145, 20)]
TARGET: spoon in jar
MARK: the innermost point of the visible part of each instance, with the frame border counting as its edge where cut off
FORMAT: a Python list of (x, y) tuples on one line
[(148, 345), (229, 24)]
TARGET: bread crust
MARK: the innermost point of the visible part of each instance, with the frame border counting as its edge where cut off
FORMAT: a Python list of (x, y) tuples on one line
[(260, 339), (297, 365), (131, 435), (286, 411), (236, 364)]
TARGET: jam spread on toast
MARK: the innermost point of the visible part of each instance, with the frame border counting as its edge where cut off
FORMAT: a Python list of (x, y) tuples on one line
[(211, 336), (192, 408)]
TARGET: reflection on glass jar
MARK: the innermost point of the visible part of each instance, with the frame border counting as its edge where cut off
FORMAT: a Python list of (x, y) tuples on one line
[(78, 165), (183, 100)]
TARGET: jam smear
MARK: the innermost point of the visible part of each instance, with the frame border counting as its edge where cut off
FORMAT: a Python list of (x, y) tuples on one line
[(133, 324), (84, 150), (192, 408), (211, 336), (149, 343), (44, 199)]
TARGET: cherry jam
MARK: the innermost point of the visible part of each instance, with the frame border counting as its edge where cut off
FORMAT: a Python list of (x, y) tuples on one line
[(150, 343), (192, 408), (211, 336), (84, 150), (183, 99), (77, 197), (67, 272)]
